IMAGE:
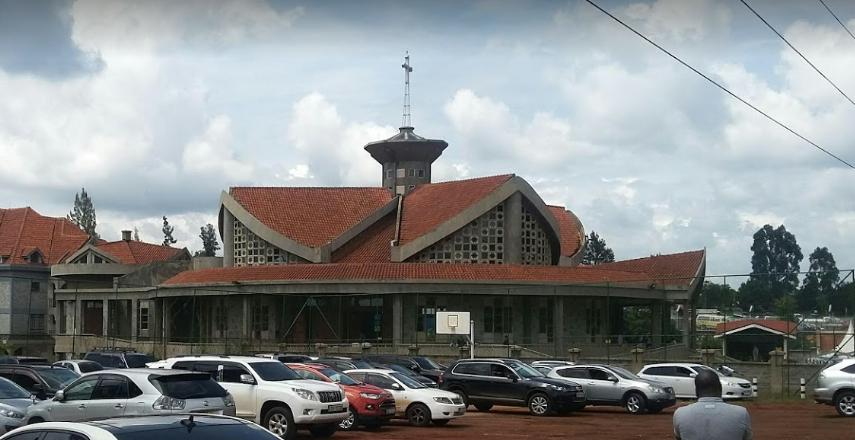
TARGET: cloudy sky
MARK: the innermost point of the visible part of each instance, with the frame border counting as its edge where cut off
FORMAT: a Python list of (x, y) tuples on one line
[(156, 107)]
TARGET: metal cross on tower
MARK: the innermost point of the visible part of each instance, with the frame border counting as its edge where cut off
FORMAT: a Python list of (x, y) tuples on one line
[(406, 120)]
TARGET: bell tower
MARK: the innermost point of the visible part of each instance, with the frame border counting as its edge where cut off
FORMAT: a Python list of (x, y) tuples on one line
[(406, 157)]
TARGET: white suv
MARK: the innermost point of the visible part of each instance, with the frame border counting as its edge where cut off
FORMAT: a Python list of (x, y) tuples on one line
[(271, 394), (681, 377)]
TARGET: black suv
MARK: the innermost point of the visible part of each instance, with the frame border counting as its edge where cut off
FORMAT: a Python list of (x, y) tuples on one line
[(422, 365), (485, 382), (41, 381), (118, 358)]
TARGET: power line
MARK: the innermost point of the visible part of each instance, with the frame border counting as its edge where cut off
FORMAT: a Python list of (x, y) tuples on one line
[(838, 19), (796, 50), (723, 88)]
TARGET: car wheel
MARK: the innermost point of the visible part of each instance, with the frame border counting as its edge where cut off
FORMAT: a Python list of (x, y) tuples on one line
[(483, 406), (539, 404), (351, 422), (634, 403), (280, 422), (418, 415), (441, 422), (325, 430), (845, 403)]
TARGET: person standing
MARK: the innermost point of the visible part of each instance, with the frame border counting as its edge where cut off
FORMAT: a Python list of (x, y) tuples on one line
[(710, 418)]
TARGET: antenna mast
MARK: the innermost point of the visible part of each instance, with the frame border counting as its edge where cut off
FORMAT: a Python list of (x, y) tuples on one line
[(406, 120)]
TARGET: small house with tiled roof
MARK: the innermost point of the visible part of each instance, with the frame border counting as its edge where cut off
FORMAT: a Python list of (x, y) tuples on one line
[(100, 288), (753, 339), (345, 265), (29, 244)]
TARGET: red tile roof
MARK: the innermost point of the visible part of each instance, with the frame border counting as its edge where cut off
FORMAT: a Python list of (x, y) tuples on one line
[(310, 216), (684, 264), (371, 246), (777, 325), (570, 230), (23, 230), (428, 206), (138, 252), (402, 272)]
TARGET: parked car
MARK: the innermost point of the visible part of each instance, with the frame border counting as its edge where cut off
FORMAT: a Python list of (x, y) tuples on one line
[(551, 363), (14, 401), (173, 427), (681, 377), (488, 382), (340, 364), (271, 394), (133, 392), (426, 381), (369, 406), (415, 402), (615, 386), (118, 358), (42, 381), (31, 360), (836, 386), (286, 358), (420, 365), (79, 366)]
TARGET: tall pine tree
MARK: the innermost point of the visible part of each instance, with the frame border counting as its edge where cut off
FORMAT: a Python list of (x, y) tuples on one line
[(167, 233), (210, 245), (820, 282), (83, 214), (774, 268), (596, 251)]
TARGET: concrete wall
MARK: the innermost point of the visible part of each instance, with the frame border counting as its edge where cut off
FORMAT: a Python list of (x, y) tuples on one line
[(18, 302)]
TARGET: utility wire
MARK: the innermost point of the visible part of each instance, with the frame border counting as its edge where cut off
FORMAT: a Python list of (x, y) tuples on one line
[(838, 19), (723, 88), (796, 50)]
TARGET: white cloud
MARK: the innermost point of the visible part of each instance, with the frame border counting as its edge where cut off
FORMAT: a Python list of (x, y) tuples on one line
[(212, 152)]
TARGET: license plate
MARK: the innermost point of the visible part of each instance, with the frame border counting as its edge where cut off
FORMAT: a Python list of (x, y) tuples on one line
[(390, 411), (335, 408)]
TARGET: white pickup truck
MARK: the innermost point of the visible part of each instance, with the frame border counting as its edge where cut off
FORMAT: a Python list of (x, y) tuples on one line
[(270, 394)]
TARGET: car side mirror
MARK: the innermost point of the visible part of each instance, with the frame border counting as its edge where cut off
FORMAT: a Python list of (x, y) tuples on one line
[(396, 387), (514, 379), (247, 379), (59, 396), (693, 374), (613, 379)]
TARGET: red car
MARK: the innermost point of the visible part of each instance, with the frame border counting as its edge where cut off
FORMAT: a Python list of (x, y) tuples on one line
[(369, 406)]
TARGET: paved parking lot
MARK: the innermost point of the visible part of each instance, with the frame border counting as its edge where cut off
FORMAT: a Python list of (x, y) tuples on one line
[(771, 421)]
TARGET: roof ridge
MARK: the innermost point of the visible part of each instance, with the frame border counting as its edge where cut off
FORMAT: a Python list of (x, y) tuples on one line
[(654, 256), (308, 187), (445, 182)]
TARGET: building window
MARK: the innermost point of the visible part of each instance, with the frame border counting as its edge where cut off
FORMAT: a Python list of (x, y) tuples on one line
[(411, 172), (143, 316), (37, 323), (221, 318), (546, 321), (402, 172), (97, 260), (400, 189), (3, 259), (390, 173), (497, 319), (35, 286), (421, 173)]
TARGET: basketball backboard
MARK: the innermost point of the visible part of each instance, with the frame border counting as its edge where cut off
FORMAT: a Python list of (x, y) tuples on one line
[(452, 323)]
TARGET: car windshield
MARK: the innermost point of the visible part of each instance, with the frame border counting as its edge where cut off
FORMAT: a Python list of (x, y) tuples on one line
[(274, 371), (57, 378), (188, 386), (137, 360), (11, 390), (362, 364), (624, 373), (335, 376), (88, 367), (400, 369), (408, 381), (215, 431), (704, 367), (524, 370), (427, 363)]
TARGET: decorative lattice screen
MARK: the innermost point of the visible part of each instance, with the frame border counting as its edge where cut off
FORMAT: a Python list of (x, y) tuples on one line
[(535, 244), (481, 241), (252, 250)]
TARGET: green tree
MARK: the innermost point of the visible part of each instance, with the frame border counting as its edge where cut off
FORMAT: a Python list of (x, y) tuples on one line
[(83, 214), (136, 234), (785, 307), (820, 282), (167, 233), (774, 268), (210, 245), (596, 251), (843, 300), (714, 295)]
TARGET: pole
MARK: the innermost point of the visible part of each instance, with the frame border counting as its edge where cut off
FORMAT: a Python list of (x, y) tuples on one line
[(754, 387), (802, 387), (472, 339)]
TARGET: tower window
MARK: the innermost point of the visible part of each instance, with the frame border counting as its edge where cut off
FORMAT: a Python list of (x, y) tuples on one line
[(411, 172), (421, 173), (402, 172), (390, 173), (400, 189)]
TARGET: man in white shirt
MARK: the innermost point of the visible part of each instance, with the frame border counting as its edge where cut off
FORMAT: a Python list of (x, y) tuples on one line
[(710, 418)]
